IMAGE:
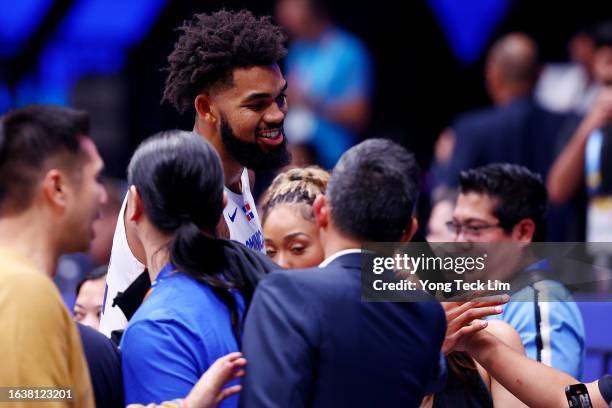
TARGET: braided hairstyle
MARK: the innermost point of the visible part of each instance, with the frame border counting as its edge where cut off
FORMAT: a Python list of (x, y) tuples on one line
[(296, 186)]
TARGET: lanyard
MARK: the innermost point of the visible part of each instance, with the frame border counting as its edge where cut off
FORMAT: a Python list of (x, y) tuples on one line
[(541, 265), (592, 162)]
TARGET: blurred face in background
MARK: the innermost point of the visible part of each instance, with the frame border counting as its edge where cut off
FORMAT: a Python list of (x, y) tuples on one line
[(88, 304), (292, 239), (602, 65), (296, 16), (581, 50), (437, 229)]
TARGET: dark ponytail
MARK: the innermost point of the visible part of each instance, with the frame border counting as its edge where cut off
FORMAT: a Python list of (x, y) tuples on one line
[(180, 179)]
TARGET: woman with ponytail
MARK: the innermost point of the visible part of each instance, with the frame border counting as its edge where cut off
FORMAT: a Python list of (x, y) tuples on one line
[(193, 311), (290, 233)]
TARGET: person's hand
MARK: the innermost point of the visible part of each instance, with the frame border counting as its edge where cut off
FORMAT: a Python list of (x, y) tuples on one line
[(601, 112), (463, 320), (208, 391)]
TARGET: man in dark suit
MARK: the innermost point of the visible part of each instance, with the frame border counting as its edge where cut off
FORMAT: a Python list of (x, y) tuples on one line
[(309, 338), (517, 129)]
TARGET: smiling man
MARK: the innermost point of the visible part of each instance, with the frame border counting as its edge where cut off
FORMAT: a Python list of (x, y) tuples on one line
[(503, 207), (224, 68)]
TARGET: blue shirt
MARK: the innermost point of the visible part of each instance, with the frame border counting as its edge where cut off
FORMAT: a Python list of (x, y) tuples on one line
[(335, 68), (181, 328), (550, 325)]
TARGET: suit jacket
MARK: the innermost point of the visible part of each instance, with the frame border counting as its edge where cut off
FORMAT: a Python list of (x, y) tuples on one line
[(311, 342), (520, 132)]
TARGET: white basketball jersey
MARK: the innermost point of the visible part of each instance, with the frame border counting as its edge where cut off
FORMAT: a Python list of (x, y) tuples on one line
[(241, 217), (242, 221)]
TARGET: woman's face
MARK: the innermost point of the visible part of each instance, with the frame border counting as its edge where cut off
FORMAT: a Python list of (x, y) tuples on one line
[(291, 240)]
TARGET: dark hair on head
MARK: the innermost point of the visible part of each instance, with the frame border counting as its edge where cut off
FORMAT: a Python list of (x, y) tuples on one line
[(602, 34), (212, 46), (296, 186), (179, 177), (94, 274), (29, 138), (373, 190), (520, 194)]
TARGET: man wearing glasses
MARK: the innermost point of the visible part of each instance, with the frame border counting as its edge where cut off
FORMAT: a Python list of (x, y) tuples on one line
[(503, 207)]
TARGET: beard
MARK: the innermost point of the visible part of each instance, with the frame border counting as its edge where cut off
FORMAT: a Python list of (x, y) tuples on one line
[(250, 154)]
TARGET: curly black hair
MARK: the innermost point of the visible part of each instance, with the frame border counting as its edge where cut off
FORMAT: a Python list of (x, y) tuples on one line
[(212, 46)]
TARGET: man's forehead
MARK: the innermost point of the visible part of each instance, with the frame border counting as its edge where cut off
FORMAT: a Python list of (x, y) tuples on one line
[(87, 144), (89, 147), (259, 79), (475, 205)]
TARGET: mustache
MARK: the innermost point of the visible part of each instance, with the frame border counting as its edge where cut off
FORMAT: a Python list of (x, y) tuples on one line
[(279, 126)]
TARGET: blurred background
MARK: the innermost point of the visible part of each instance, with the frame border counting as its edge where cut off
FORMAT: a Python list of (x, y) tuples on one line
[(413, 68), (427, 62)]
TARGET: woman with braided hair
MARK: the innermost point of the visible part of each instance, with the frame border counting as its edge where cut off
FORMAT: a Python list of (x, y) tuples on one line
[(290, 233)]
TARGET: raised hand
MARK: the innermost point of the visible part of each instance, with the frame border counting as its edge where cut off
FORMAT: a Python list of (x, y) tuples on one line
[(463, 319), (208, 391)]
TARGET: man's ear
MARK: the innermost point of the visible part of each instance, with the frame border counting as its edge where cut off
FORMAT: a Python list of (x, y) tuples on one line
[(203, 107), (410, 230), (55, 190), (135, 206), (321, 210), (524, 231)]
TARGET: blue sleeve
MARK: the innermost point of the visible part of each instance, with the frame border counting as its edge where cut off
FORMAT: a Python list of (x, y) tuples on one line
[(558, 339), (159, 362), (278, 346), (355, 73)]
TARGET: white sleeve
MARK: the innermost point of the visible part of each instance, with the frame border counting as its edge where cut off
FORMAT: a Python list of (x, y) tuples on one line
[(123, 269)]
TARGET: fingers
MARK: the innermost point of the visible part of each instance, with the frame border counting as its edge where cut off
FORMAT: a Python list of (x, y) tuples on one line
[(475, 326), (228, 357), (224, 370), (456, 309), (228, 392), (477, 313), (237, 374), (457, 338), (229, 371)]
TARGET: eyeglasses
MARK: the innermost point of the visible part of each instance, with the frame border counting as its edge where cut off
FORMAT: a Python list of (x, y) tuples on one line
[(471, 229)]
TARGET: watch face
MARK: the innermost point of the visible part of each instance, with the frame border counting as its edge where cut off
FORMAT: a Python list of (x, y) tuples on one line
[(578, 396)]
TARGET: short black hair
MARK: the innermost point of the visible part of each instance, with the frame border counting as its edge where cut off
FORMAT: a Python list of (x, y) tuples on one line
[(179, 177), (94, 274), (373, 190), (29, 137), (520, 194), (212, 46), (602, 34)]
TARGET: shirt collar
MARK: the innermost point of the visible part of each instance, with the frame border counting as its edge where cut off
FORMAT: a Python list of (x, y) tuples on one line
[(338, 254)]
